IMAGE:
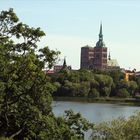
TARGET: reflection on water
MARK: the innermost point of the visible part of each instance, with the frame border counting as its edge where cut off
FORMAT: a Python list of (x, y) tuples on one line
[(95, 112)]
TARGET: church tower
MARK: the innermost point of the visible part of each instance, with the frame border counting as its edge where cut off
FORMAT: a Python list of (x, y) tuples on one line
[(100, 53)]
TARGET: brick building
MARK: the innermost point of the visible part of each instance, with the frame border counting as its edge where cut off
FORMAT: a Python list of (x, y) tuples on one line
[(94, 57), (87, 55)]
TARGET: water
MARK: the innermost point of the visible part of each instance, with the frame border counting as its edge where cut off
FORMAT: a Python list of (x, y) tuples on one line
[(95, 112)]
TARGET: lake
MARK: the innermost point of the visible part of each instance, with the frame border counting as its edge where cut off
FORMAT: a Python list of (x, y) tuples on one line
[(95, 112)]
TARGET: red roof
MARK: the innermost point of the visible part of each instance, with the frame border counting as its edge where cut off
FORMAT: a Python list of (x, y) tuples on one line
[(50, 71)]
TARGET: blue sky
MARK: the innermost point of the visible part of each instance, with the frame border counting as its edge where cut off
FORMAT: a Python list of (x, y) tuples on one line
[(71, 24)]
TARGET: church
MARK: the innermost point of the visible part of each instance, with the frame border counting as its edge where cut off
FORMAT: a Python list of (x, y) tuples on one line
[(96, 57)]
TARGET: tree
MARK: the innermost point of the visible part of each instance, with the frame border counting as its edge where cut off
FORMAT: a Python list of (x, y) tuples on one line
[(76, 123), (132, 87), (25, 89), (25, 98), (105, 83), (117, 75), (123, 93), (93, 93)]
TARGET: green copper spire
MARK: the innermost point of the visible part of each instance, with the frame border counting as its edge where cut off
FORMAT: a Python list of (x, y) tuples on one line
[(100, 42), (100, 34)]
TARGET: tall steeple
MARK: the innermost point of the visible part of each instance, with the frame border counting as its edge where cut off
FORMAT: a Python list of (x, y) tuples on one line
[(100, 53), (100, 33), (64, 63), (109, 56), (100, 42)]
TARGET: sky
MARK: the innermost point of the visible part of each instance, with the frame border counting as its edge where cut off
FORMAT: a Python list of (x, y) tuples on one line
[(72, 24)]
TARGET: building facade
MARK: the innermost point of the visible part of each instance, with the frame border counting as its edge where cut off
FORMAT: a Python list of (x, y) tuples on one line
[(94, 57), (58, 68), (87, 55), (112, 64)]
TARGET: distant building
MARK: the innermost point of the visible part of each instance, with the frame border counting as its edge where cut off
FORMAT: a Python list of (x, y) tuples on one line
[(50, 72), (96, 57), (100, 53), (112, 64), (128, 73), (137, 74), (87, 55), (58, 68)]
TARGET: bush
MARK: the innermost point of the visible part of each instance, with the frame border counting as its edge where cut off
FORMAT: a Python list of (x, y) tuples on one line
[(118, 129), (93, 93), (123, 93)]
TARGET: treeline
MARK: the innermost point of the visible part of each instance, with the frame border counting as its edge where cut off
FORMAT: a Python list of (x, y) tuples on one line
[(86, 83)]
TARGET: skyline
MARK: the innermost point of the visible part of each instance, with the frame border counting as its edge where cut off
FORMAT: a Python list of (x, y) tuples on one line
[(70, 25)]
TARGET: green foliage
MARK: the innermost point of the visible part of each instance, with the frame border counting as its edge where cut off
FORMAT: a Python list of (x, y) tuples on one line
[(77, 124), (116, 75), (123, 93), (3, 138), (25, 97), (25, 90), (122, 84), (93, 93), (48, 56), (128, 87), (73, 89), (105, 83), (132, 87), (84, 82), (118, 129), (85, 75), (137, 80), (81, 83)]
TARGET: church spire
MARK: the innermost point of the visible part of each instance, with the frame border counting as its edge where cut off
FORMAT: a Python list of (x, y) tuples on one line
[(64, 63), (100, 33), (109, 56), (100, 42)]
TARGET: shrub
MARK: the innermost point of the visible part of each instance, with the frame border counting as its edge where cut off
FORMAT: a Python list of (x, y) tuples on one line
[(93, 93), (123, 93)]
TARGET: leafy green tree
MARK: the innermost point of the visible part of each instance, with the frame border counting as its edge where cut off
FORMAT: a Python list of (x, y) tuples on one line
[(85, 75), (84, 89), (105, 83), (25, 99), (25, 89), (126, 86), (93, 93), (74, 77), (60, 77), (73, 89), (117, 75), (123, 84), (137, 80), (94, 83), (132, 87), (123, 93), (76, 123)]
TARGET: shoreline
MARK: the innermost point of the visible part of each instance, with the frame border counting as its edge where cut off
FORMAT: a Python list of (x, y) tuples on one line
[(122, 101)]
